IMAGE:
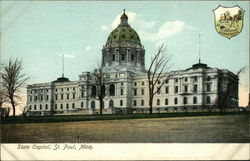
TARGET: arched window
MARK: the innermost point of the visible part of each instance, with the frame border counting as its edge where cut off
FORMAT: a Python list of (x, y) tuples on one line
[(55, 106), (73, 105), (121, 103), (166, 101), (103, 90), (111, 103), (176, 101), (195, 100), (93, 105), (142, 102), (158, 102), (185, 100), (93, 91), (135, 103), (40, 107), (112, 90), (61, 106), (30, 107), (67, 106), (46, 106), (208, 99)]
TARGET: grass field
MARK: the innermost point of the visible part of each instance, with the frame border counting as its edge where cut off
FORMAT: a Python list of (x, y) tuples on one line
[(199, 129)]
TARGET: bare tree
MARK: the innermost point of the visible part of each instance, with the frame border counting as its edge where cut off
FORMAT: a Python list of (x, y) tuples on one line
[(12, 80), (99, 80), (157, 73)]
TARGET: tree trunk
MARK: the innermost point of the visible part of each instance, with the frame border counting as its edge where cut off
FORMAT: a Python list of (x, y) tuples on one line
[(101, 106), (13, 107), (151, 105)]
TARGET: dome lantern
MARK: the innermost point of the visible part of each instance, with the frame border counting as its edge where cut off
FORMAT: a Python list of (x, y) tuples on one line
[(124, 19)]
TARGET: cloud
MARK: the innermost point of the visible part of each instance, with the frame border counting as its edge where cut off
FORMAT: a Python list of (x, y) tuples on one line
[(87, 48), (68, 55), (167, 29), (133, 19)]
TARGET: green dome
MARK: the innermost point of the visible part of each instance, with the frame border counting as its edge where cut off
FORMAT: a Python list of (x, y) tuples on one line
[(123, 33)]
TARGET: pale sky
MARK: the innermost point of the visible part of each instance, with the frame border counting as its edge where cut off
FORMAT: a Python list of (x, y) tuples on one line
[(40, 32)]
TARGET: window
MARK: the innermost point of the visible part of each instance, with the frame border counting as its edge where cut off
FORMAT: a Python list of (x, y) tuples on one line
[(135, 84), (185, 100), (93, 91), (186, 88), (81, 104), (158, 90), (142, 102), (111, 103), (195, 88), (67, 89), (46, 106), (35, 98), (74, 88), (166, 101), (73, 105), (47, 97), (176, 79), (56, 97), (121, 103), (67, 96), (113, 57), (41, 107), (30, 98), (132, 57), (176, 89), (166, 90), (185, 79), (34, 107), (135, 91), (208, 78), (61, 106), (208, 99), (74, 95), (159, 82), (142, 83), (112, 90), (176, 101), (55, 106), (62, 89), (195, 78), (142, 91), (61, 96), (122, 91), (208, 87), (195, 100), (56, 89), (67, 106), (30, 107), (93, 105), (135, 103), (167, 81), (123, 56), (82, 94), (158, 102), (122, 83)]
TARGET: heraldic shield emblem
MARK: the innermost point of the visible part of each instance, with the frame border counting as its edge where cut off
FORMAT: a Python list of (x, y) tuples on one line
[(228, 20)]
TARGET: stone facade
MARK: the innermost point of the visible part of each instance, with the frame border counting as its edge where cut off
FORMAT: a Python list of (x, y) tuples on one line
[(123, 60)]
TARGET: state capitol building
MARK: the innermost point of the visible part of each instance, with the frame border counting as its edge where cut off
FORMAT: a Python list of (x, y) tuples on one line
[(197, 88)]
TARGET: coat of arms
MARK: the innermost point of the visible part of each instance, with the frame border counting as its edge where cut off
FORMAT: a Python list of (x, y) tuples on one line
[(228, 20)]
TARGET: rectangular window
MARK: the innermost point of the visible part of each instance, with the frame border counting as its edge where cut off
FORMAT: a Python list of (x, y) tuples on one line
[(81, 104), (142, 102), (195, 78), (113, 57), (67, 96), (47, 97), (62, 89), (121, 103), (185, 79), (132, 57), (166, 90), (61, 96), (30, 98), (123, 56), (35, 98), (176, 79), (67, 89), (186, 88), (195, 88), (56, 97), (142, 83), (135, 103), (121, 92), (135, 92), (208, 87), (158, 90), (176, 89), (74, 95), (41, 98), (74, 88), (55, 106), (142, 91), (82, 94)]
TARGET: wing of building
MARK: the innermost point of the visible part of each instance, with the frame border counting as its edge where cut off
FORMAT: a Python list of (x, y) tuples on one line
[(123, 61)]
